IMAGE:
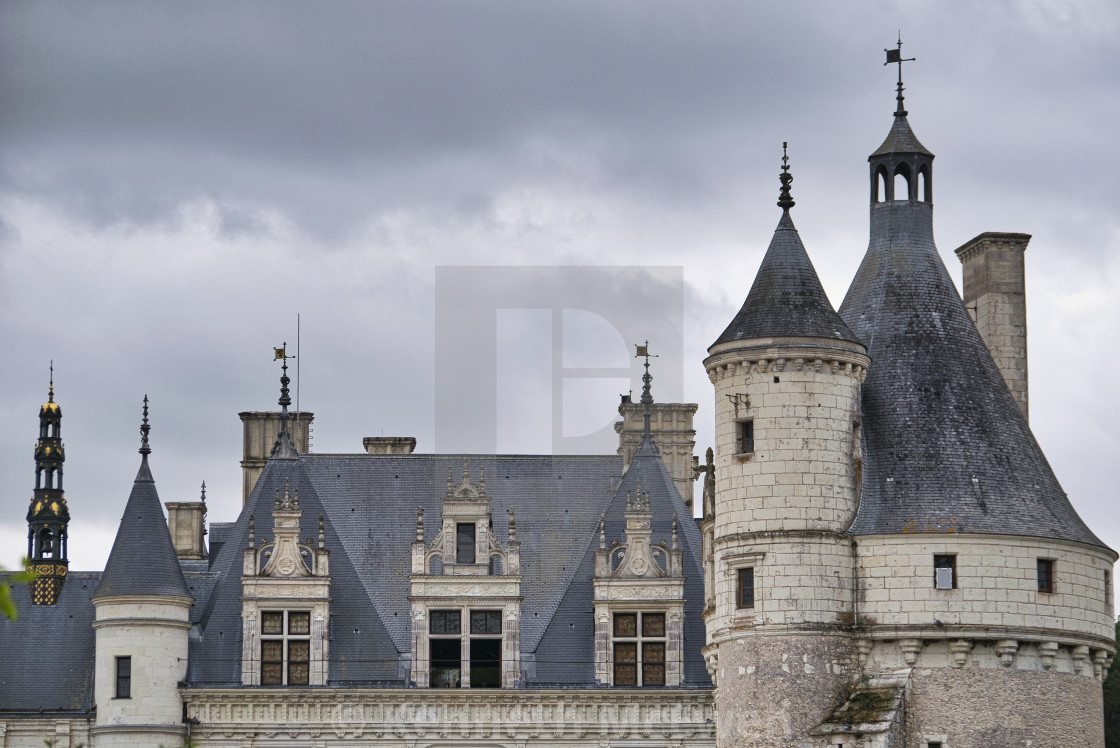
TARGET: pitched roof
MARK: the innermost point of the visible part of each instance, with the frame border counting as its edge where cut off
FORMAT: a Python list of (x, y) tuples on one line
[(47, 652), (786, 299), (143, 560), (945, 447)]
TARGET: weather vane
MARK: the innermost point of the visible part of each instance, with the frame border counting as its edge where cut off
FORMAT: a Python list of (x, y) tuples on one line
[(895, 55)]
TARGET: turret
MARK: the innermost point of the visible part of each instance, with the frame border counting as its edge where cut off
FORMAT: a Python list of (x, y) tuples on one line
[(142, 606), (48, 516), (787, 374)]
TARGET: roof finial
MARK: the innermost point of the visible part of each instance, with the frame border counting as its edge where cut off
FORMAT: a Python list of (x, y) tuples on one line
[(895, 55), (785, 199), (283, 448), (144, 429), (676, 542), (322, 534), (512, 533), (50, 392), (602, 532), (419, 524), (253, 531), (203, 492), (647, 398)]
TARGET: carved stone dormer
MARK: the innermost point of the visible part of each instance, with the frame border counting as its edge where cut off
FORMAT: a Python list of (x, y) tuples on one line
[(639, 602), (466, 594), (285, 601)]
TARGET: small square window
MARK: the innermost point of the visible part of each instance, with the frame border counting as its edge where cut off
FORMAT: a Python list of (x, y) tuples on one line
[(744, 594), (124, 678), (944, 572), (1045, 575)]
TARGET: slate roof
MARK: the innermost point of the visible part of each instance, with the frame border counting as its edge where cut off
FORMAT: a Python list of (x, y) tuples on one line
[(369, 506), (46, 654), (786, 299), (900, 139), (945, 447), (143, 560)]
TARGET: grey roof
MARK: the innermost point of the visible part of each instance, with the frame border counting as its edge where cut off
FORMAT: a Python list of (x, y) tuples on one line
[(786, 299), (143, 560), (46, 654), (369, 506), (563, 657), (900, 139), (945, 447)]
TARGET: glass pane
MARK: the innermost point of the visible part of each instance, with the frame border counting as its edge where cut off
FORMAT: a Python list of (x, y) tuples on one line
[(746, 587), (298, 673), (653, 652), (299, 651), (625, 675), (464, 543), (299, 623), (272, 651), (653, 675), (653, 624), (625, 652), (486, 661), (272, 674), (625, 624), (444, 677), (272, 623), (486, 622), (444, 622)]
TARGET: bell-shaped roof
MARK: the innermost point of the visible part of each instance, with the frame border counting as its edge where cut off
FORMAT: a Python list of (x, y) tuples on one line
[(900, 139)]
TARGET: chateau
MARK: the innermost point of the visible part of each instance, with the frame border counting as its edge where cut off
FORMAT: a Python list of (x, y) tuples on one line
[(884, 557)]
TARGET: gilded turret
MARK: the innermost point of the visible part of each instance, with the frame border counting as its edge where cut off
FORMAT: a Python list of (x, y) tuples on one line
[(48, 515)]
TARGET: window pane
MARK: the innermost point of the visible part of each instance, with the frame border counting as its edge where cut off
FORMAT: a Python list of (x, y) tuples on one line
[(746, 588), (653, 652), (444, 622), (486, 622), (464, 543), (944, 572), (124, 678), (1045, 575), (653, 675), (298, 673), (625, 675), (272, 623), (299, 651), (625, 624), (653, 624), (486, 663), (299, 623), (625, 652), (272, 674), (445, 654)]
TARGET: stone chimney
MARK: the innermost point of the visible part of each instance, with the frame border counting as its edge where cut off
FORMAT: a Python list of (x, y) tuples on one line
[(389, 445), (186, 520), (260, 429), (671, 426), (994, 293)]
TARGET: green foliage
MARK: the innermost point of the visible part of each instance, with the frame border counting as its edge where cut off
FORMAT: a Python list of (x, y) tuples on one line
[(1112, 703), (7, 607)]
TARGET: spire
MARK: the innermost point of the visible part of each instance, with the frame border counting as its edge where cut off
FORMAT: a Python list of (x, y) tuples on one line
[(895, 55), (647, 396), (785, 199), (143, 560), (48, 517), (283, 449)]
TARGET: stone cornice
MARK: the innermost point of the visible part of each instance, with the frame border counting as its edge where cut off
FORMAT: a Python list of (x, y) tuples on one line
[(769, 359), (670, 714)]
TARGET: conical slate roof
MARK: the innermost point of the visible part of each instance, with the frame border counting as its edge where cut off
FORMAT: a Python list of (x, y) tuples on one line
[(787, 299), (945, 447), (900, 139), (143, 560)]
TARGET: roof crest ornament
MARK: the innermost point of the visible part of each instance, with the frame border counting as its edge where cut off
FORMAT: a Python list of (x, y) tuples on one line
[(466, 488), (895, 55), (785, 198), (50, 392), (144, 429)]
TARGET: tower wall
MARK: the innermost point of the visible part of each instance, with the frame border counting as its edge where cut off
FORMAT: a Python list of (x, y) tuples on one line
[(995, 294), (153, 631), (783, 502)]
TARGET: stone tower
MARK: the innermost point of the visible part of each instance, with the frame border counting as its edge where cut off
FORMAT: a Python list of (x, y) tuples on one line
[(142, 621), (48, 515), (787, 374)]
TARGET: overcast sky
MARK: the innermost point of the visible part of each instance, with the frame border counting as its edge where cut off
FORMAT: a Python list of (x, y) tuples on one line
[(179, 180)]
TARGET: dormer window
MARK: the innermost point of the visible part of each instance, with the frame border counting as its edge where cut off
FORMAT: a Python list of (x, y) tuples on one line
[(464, 543), (285, 648), (639, 649)]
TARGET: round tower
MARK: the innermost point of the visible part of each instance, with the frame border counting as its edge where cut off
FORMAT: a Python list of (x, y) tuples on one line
[(48, 517), (141, 623), (787, 374)]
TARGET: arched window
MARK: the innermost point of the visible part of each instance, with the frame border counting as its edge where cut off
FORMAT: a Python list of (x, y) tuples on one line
[(902, 182), (880, 185), (923, 185), (46, 543)]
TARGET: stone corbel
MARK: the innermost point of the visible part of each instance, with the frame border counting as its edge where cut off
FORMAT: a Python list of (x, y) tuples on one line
[(1046, 652), (910, 649), (863, 650), (1080, 654), (1005, 651), (1099, 658), (958, 651)]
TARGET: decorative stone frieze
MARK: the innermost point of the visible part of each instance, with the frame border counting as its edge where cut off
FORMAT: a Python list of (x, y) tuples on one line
[(225, 717)]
